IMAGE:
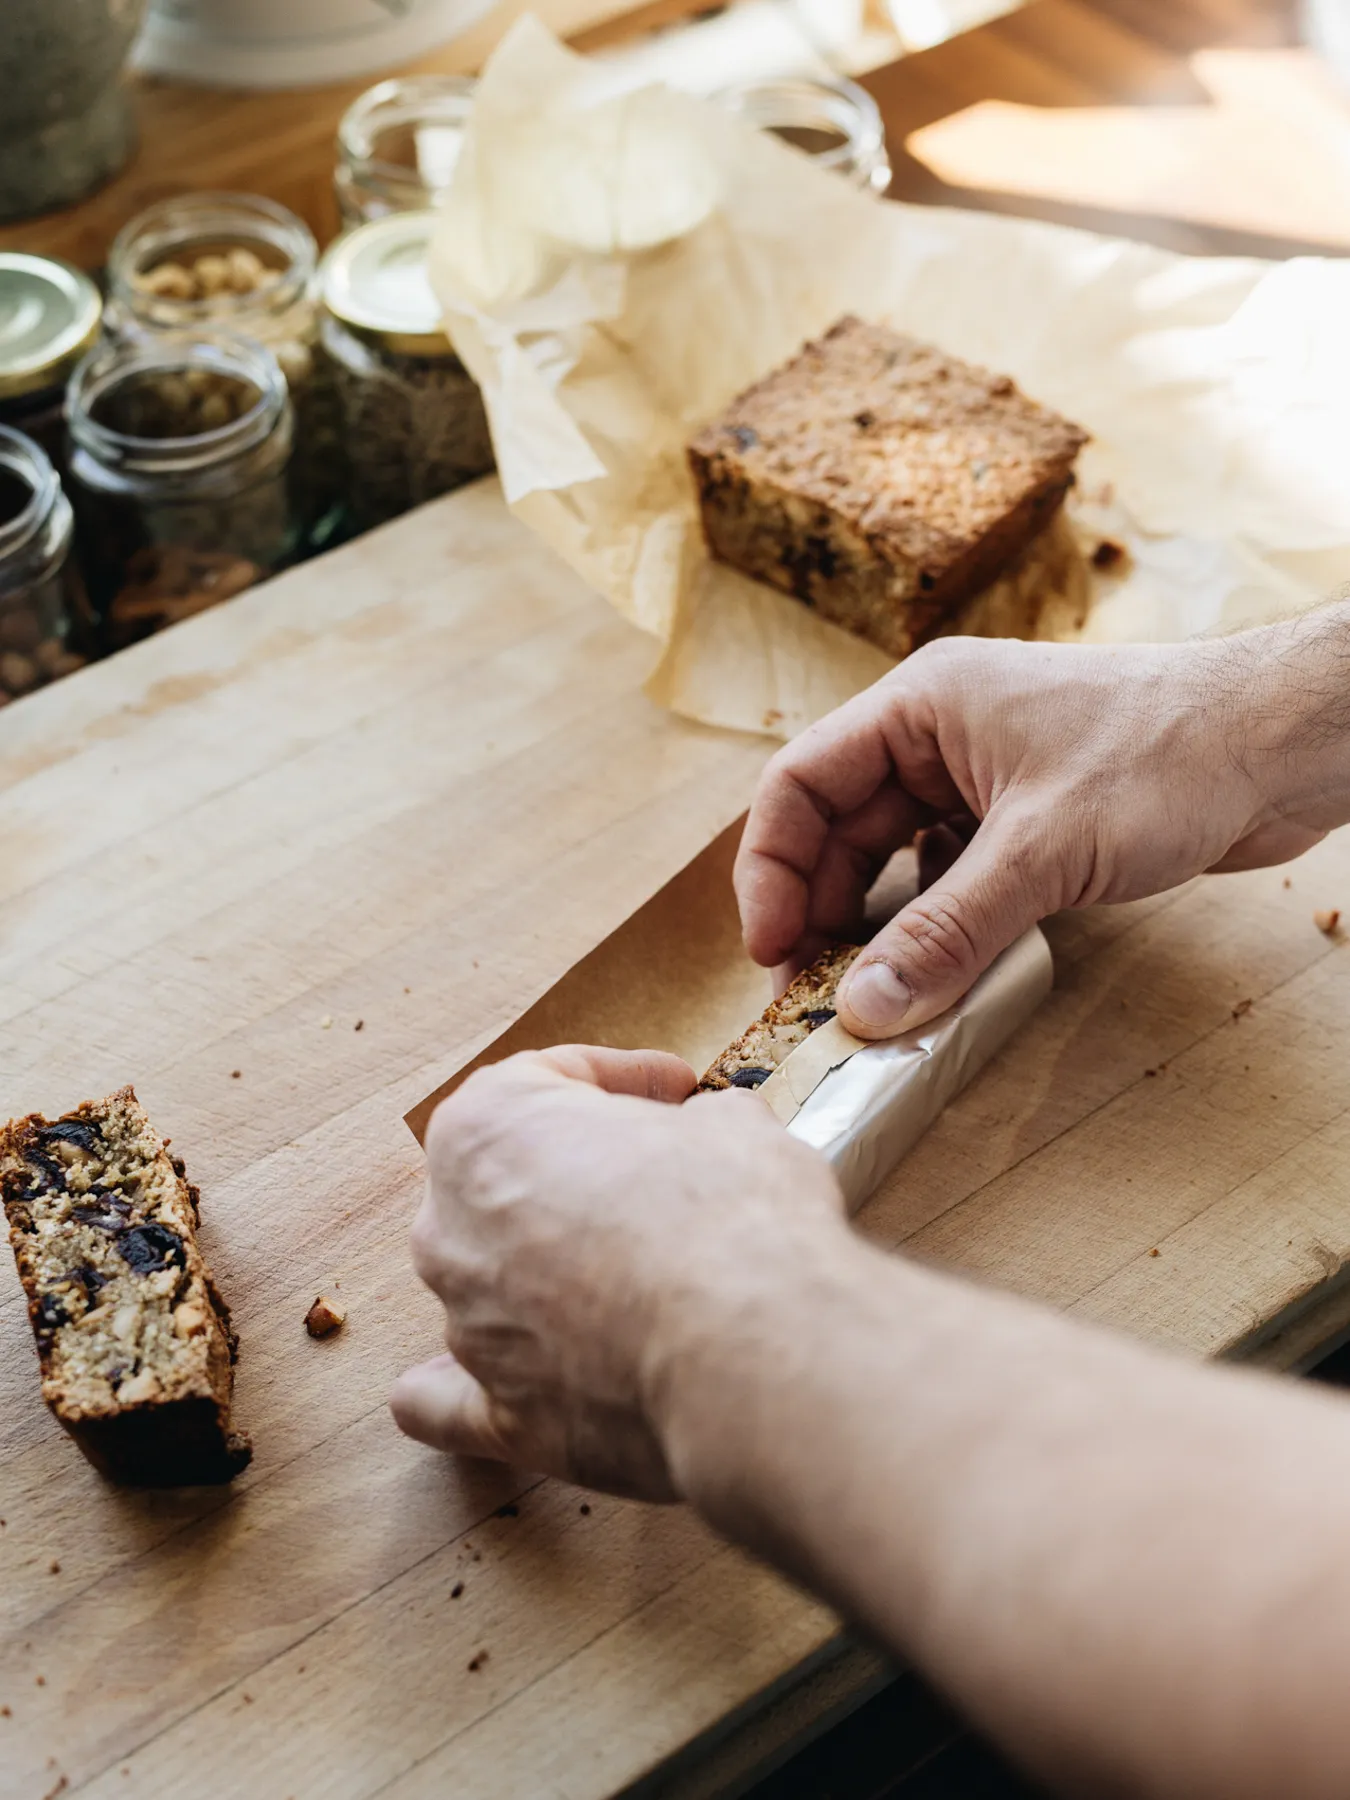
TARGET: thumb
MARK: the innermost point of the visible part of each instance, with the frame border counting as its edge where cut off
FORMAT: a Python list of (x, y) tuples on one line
[(439, 1403), (931, 953)]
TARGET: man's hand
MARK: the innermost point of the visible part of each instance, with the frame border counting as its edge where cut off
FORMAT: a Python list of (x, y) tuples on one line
[(1072, 774), (583, 1233)]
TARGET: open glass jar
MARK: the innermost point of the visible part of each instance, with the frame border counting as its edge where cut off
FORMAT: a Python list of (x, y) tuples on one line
[(412, 415), (179, 455), (237, 264), (835, 122), (398, 144), (40, 612)]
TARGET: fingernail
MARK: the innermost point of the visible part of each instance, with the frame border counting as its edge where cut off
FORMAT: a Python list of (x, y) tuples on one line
[(876, 995)]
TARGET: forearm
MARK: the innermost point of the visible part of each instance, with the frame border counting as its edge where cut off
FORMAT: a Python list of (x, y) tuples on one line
[(1134, 1572)]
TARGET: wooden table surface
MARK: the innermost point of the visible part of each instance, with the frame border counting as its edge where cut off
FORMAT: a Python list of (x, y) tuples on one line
[(409, 786)]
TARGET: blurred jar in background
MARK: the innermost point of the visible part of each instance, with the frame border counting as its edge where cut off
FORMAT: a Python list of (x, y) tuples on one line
[(49, 316), (237, 264), (41, 612), (65, 120), (836, 122), (179, 455), (1326, 26), (413, 416), (397, 145)]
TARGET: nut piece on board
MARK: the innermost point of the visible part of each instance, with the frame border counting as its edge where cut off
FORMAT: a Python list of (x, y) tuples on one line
[(325, 1317), (1326, 922)]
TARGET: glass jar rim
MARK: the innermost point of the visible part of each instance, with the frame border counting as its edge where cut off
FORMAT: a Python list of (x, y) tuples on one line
[(447, 98), (834, 103), (111, 363), (148, 240), (30, 463)]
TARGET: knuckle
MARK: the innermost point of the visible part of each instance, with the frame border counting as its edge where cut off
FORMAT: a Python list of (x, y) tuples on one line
[(938, 936)]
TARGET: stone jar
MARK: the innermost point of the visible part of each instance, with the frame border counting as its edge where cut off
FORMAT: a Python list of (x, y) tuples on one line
[(65, 121)]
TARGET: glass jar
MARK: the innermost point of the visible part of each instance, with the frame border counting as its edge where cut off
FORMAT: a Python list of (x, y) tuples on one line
[(40, 600), (835, 122), (397, 145), (49, 316), (412, 416), (179, 454), (241, 265)]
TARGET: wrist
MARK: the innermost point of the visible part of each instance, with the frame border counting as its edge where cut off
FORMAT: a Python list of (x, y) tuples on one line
[(724, 1369), (1290, 684)]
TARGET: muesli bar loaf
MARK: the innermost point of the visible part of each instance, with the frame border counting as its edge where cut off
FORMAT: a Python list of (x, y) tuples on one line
[(133, 1339), (881, 481), (804, 1004)]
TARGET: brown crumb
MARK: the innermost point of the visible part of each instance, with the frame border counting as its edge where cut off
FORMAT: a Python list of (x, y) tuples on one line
[(585, 1507), (360, 1025), (236, 1074), (1155, 1251), (300, 1670), (1287, 882), (1150, 1071), (457, 1590), (41, 1681), (325, 1317), (1326, 922), (1110, 555), (772, 716), (58, 1787), (1242, 1008), (5, 1713), (476, 1661), (54, 1566), (407, 990), (248, 1699)]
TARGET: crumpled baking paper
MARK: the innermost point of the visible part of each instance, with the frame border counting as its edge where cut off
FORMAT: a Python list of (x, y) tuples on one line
[(615, 266)]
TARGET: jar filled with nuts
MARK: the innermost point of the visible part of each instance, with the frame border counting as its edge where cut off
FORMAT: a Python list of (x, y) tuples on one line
[(412, 415), (242, 265), (39, 590), (179, 458), (397, 145), (49, 316)]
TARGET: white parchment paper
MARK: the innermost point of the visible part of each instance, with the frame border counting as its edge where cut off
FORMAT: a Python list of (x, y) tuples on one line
[(614, 267)]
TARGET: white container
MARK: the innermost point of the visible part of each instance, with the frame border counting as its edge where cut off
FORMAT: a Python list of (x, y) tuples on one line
[(294, 43), (1326, 26)]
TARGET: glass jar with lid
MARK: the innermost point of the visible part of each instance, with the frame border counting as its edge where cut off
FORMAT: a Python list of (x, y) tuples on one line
[(50, 314), (238, 264), (412, 415), (836, 122), (41, 616), (179, 455), (397, 145)]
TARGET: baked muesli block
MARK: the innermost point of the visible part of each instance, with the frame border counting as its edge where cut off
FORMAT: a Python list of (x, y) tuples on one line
[(804, 1004), (881, 481), (134, 1341)]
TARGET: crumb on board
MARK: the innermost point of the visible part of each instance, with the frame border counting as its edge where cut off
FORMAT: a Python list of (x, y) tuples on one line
[(236, 1074), (326, 1022), (58, 1787), (1241, 1008), (1288, 882), (1110, 557), (360, 1025), (54, 1567), (584, 1508), (477, 1660), (325, 1317), (41, 1681), (5, 1713), (1326, 922), (1155, 1251), (509, 1511), (1150, 1072), (457, 1590)]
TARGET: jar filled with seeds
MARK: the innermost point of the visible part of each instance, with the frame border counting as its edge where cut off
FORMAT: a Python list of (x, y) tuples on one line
[(241, 265), (179, 462), (397, 145), (412, 416), (50, 315), (40, 600)]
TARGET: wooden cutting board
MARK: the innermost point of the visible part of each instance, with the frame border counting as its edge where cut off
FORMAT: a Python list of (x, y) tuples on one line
[(287, 866)]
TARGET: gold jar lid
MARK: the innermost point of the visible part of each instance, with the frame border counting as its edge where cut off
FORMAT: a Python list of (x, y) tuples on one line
[(374, 280), (50, 313)]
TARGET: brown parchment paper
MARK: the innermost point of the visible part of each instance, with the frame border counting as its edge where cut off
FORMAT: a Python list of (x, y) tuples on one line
[(675, 976), (615, 266)]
